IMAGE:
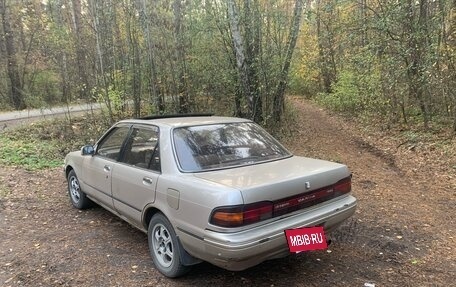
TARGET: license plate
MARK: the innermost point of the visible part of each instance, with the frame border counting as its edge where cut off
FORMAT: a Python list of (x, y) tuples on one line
[(305, 239)]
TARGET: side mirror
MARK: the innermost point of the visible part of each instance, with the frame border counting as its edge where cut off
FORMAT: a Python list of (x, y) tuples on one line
[(87, 150)]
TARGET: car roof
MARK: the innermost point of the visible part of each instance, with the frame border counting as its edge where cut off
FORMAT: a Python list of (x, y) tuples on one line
[(187, 121)]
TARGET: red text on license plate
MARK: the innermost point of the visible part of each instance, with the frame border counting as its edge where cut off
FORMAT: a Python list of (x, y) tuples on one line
[(304, 239)]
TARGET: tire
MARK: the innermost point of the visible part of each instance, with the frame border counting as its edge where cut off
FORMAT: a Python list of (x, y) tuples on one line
[(77, 197), (164, 247)]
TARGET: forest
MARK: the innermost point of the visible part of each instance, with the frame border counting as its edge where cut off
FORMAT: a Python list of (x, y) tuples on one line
[(389, 59)]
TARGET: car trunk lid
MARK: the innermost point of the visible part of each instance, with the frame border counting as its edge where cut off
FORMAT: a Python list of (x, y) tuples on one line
[(291, 178)]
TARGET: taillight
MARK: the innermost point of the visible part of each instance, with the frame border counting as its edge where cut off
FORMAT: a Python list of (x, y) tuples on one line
[(343, 186), (239, 215)]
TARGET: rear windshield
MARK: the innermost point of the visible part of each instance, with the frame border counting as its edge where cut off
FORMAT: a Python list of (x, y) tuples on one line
[(200, 148)]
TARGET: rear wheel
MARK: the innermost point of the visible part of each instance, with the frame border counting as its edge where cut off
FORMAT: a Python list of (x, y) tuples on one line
[(164, 247), (77, 197)]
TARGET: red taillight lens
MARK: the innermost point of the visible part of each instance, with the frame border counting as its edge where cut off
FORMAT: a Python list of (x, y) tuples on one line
[(235, 216), (343, 186), (257, 212)]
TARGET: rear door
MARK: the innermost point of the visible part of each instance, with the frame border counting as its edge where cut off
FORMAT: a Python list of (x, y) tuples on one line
[(135, 177)]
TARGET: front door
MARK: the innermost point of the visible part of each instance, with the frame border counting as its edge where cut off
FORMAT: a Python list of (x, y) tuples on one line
[(98, 168)]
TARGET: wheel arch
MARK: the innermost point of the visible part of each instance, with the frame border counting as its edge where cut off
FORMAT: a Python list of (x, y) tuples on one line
[(68, 168), (147, 216)]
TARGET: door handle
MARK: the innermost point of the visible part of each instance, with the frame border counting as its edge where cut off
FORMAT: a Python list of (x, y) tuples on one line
[(107, 168), (147, 181)]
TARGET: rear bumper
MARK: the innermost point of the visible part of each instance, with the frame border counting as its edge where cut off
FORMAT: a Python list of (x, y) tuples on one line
[(241, 250)]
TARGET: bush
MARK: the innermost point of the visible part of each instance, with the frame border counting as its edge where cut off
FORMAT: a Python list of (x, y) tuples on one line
[(345, 97)]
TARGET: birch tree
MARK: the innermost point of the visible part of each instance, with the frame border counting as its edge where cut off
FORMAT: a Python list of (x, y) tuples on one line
[(239, 51), (283, 76)]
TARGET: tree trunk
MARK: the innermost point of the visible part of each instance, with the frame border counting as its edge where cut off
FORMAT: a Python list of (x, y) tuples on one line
[(246, 50), (283, 77), (416, 46), (252, 55), (62, 55), (323, 62), (154, 88), (135, 62), (184, 100), (83, 81), (102, 76), (452, 61), (239, 51), (3, 54), (16, 96)]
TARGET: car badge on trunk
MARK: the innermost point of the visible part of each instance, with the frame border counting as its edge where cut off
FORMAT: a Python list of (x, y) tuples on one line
[(307, 184)]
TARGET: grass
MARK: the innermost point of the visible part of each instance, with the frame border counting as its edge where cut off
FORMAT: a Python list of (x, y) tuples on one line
[(44, 144), (30, 155)]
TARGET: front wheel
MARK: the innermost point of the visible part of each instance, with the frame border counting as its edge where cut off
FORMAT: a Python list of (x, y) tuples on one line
[(77, 197), (164, 248)]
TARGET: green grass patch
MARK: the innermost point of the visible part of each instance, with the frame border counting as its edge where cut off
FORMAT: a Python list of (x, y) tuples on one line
[(44, 144), (30, 155)]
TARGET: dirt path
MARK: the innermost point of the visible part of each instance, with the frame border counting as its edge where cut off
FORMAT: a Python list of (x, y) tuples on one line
[(402, 234), (405, 224)]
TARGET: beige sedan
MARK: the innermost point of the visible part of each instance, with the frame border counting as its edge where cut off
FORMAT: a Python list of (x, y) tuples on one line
[(205, 188)]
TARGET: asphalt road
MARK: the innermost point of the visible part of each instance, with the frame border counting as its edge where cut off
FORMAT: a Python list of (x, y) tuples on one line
[(13, 118)]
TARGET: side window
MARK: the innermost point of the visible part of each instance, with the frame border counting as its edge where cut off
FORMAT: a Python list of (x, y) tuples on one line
[(112, 143), (142, 150)]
